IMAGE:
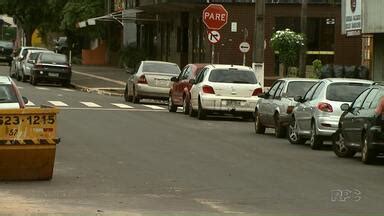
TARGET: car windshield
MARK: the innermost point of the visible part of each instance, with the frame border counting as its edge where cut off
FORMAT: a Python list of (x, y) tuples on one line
[(345, 92), (6, 44), (232, 76), (298, 88), (54, 58), (161, 68), (7, 94)]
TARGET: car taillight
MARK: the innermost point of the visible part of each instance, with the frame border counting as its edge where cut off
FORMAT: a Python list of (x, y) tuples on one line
[(142, 80), (325, 107), (257, 92), (208, 89), (290, 109)]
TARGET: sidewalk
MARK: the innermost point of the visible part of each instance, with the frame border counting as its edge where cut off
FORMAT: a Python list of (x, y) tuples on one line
[(100, 79)]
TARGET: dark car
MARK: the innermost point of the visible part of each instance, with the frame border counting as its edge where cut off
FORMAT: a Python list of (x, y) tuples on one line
[(6, 50), (51, 67), (360, 128), (179, 92)]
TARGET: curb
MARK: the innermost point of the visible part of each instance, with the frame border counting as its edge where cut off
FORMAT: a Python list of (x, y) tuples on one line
[(100, 91)]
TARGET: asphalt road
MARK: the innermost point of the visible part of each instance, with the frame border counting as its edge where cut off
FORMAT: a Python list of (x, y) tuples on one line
[(145, 160)]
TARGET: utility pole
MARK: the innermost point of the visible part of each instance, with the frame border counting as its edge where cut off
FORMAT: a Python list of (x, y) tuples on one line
[(258, 45), (303, 26)]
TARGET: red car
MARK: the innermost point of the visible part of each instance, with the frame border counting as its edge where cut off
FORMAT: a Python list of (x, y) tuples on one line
[(179, 93)]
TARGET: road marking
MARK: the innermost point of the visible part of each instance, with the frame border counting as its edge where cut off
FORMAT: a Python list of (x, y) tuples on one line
[(123, 106), (218, 206), (91, 104), (30, 103), (110, 109), (99, 77), (42, 88), (154, 107), (68, 90), (58, 103)]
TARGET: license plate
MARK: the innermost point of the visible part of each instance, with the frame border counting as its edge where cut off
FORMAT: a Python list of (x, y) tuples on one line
[(161, 83), (53, 74), (13, 126), (231, 103)]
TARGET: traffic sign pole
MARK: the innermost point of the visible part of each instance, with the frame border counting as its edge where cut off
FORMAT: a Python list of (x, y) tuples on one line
[(213, 54)]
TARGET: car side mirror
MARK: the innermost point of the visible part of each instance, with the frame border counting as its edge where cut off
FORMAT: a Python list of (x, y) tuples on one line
[(298, 99), (344, 107), (25, 100), (192, 81), (174, 79)]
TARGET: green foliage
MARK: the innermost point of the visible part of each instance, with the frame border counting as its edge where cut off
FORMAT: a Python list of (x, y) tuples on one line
[(317, 65), (288, 44), (130, 56)]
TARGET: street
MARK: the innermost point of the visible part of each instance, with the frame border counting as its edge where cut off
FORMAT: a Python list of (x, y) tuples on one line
[(118, 157)]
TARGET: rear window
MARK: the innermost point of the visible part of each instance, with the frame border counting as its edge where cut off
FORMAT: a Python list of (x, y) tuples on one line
[(298, 88), (161, 68), (345, 92), (232, 76), (54, 58), (7, 94)]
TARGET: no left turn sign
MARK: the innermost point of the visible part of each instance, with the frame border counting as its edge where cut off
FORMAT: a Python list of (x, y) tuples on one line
[(214, 37)]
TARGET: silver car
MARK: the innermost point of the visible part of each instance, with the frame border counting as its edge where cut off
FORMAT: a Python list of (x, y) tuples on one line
[(317, 116), (152, 80), (20, 55), (27, 63), (275, 107)]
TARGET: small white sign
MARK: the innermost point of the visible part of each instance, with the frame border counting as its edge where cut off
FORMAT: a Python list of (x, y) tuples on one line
[(214, 37), (353, 17), (234, 27), (244, 47)]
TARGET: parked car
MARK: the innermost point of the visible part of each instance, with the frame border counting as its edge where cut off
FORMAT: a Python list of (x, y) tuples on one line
[(360, 128), (274, 108), (18, 56), (28, 62), (317, 116), (151, 80), (10, 97), (224, 89), (179, 93), (6, 50), (51, 67)]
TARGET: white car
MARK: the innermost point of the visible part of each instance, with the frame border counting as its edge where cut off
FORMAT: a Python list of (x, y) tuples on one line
[(27, 63), (20, 55), (225, 89), (10, 97)]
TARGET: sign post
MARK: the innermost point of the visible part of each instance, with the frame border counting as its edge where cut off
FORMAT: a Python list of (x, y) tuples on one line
[(215, 17), (244, 48)]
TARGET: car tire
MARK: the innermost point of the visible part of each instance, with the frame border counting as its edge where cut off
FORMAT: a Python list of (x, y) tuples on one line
[(247, 117), (201, 113), (293, 135), (23, 78), (171, 106), (280, 131), (18, 76), (192, 112), (368, 156), (186, 106), (66, 83), (33, 80), (316, 141), (135, 97), (339, 147), (259, 127), (127, 98)]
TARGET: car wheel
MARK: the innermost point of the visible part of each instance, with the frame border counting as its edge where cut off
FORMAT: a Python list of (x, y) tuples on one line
[(127, 98), (280, 131), (186, 106), (293, 133), (259, 127), (192, 112), (368, 155), (339, 147), (201, 113), (23, 77), (315, 142), (171, 106), (33, 80), (135, 97), (18, 76)]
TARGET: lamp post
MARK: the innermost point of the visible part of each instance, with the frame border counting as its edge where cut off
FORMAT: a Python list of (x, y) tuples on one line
[(303, 26), (258, 44)]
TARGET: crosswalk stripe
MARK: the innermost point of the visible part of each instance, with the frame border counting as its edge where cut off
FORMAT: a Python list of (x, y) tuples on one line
[(30, 103), (42, 88), (58, 103), (68, 90), (154, 107), (123, 106), (90, 104)]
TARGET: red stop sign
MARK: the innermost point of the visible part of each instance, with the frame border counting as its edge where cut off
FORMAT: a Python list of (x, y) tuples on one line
[(215, 16)]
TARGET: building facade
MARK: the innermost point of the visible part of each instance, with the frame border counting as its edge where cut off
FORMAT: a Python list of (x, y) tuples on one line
[(172, 30)]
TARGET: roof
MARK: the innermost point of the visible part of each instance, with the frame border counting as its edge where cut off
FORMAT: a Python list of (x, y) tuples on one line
[(224, 66), (161, 62), (348, 80), (5, 80), (289, 79)]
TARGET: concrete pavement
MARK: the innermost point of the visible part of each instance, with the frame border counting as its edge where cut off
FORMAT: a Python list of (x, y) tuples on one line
[(100, 79)]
